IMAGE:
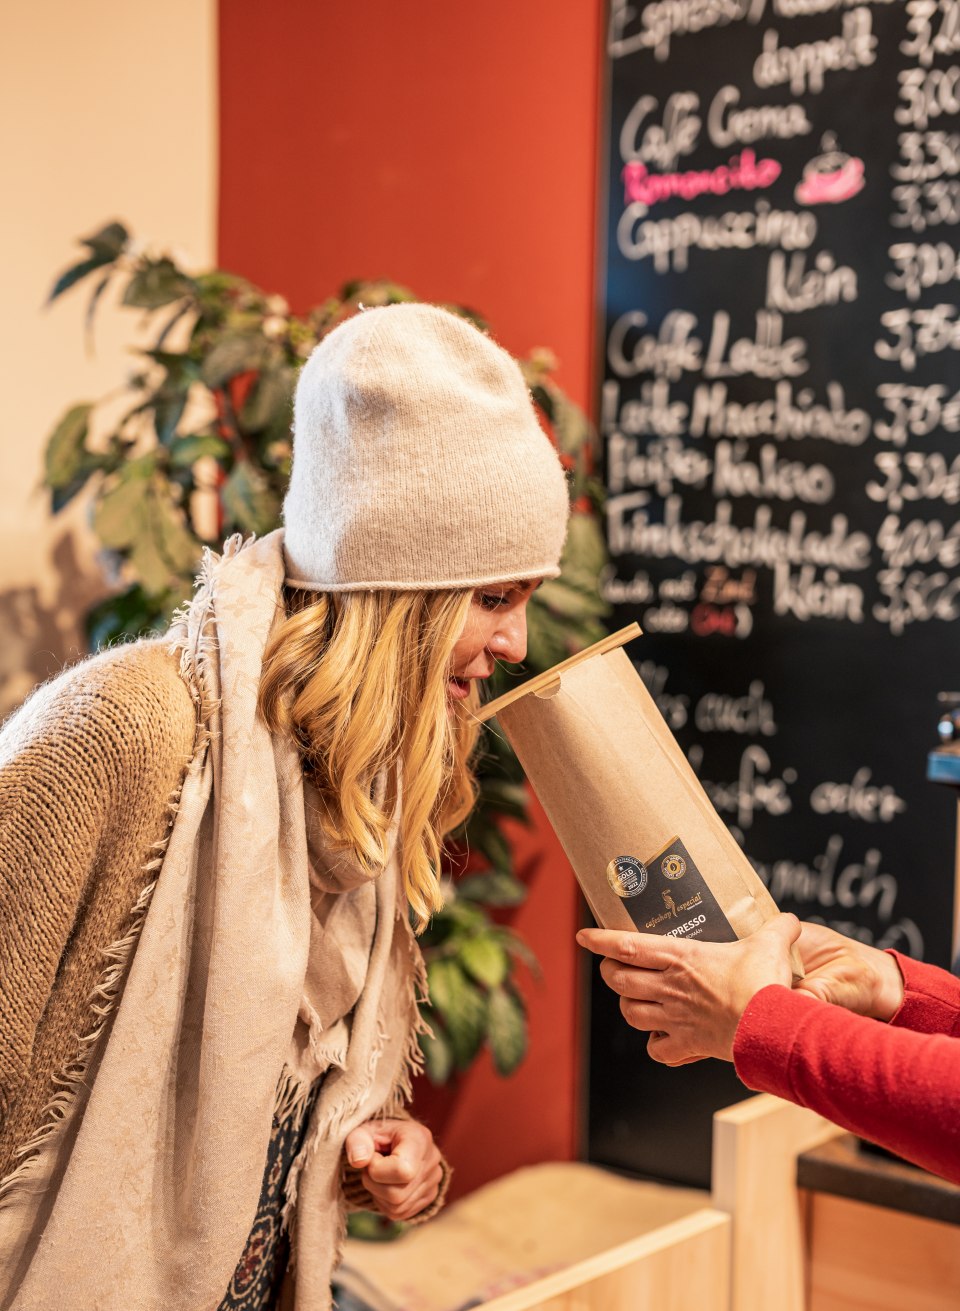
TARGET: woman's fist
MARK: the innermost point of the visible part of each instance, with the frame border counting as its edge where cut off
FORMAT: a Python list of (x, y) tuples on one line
[(399, 1164)]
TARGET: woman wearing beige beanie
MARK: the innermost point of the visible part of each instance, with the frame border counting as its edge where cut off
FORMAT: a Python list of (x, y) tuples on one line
[(211, 845)]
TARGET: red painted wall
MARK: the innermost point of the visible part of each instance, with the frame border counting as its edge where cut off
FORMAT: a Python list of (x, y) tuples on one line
[(452, 148)]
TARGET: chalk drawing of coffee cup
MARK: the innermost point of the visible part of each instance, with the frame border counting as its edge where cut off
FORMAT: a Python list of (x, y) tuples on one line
[(830, 178)]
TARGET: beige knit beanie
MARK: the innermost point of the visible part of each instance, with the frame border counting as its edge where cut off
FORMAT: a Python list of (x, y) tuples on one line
[(418, 461)]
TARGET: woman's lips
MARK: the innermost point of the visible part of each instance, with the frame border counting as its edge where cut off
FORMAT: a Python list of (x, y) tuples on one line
[(459, 687)]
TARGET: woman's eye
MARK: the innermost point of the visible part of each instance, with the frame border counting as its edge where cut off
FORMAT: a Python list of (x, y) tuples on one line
[(493, 600)]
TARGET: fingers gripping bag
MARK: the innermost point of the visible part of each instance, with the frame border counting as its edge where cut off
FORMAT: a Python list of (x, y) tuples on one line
[(648, 848)]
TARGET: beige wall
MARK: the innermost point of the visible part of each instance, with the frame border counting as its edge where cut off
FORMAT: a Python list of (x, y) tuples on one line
[(107, 110)]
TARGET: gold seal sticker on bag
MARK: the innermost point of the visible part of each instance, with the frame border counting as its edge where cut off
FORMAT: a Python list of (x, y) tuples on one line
[(627, 876), (667, 894), (673, 866)]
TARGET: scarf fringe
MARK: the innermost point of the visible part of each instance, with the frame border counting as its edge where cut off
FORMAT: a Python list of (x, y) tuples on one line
[(411, 1065), (293, 1096), (195, 653)]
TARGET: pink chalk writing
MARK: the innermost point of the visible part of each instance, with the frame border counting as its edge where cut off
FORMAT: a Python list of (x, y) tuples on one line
[(744, 173)]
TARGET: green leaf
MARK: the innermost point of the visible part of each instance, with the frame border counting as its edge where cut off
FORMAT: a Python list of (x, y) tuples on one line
[(148, 562), (234, 353), (571, 426), (547, 640), (485, 960), (168, 407), (572, 602), (73, 275), (506, 1030), (517, 948), (62, 496), (494, 889), (437, 1057), (585, 549), (65, 451), (157, 283), (128, 614), (173, 321), (504, 796), (120, 516), (462, 1007), (464, 918), (98, 291), (371, 1227), (270, 396), (186, 451), (491, 841), (108, 242), (175, 542), (251, 504)]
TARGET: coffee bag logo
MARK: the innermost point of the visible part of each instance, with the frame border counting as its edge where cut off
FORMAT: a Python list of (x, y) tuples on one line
[(627, 876), (673, 866)]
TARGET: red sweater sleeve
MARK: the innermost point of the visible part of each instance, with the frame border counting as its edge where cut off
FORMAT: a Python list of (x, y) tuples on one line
[(931, 998), (886, 1082)]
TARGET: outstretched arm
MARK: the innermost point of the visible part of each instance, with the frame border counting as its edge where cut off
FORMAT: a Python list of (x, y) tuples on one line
[(897, 1087), (820, 1045)]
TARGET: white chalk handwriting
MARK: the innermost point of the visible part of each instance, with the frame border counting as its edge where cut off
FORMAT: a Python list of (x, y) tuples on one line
[(918, 332), (755, 790), (674, 707), (919, 541), (922, 205), (620, 591), (652, 26), (793, 287), (804, 67), (920, 267), (934, 27), (927, 95), (663, 464), (916, 411), (860, 799), (652, 413), (915, 476), (668, 241), (633, 531), (786, 415), (916, 597), (768, 475), (926, 156), (806, 594), (673, 350), (825, 882), (749, 715)]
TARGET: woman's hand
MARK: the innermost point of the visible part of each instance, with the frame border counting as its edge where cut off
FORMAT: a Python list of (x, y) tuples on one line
[(849, 974), (689, 995), (399, 1163)]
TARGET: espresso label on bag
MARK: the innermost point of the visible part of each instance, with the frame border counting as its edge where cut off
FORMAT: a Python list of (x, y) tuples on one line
[(668, 895)]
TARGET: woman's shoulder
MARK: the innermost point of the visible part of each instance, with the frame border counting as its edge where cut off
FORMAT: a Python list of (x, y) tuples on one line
[(126, 703)]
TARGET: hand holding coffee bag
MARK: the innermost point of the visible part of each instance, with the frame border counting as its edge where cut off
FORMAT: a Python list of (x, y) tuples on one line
[(648, 848)]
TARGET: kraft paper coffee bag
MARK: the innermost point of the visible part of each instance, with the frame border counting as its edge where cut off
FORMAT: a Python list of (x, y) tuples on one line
[(648, 848)]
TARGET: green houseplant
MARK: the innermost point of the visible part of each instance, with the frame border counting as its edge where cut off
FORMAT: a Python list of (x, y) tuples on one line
[(229, 352)]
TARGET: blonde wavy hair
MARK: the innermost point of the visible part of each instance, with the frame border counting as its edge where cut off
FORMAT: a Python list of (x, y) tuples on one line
[(360, 680)]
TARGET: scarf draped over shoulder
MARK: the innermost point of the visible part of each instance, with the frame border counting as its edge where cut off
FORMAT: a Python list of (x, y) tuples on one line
[(145, 1194)]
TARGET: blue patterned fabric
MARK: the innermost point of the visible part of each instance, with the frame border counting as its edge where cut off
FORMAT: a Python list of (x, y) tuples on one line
[(258, 1278)]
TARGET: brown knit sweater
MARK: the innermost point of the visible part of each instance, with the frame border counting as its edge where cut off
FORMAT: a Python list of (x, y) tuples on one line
[(89, 766)]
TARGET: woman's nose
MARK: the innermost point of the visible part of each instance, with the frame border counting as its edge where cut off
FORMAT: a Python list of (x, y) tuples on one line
[(509, 642)]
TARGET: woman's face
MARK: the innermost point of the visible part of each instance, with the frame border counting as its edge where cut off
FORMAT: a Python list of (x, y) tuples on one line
[(496, 629)]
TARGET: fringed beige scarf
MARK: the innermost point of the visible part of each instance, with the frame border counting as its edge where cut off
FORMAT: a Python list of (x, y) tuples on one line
[(144, 1197)]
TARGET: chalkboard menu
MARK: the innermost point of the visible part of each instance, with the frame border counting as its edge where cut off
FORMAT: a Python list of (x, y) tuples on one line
[(780, 404)]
